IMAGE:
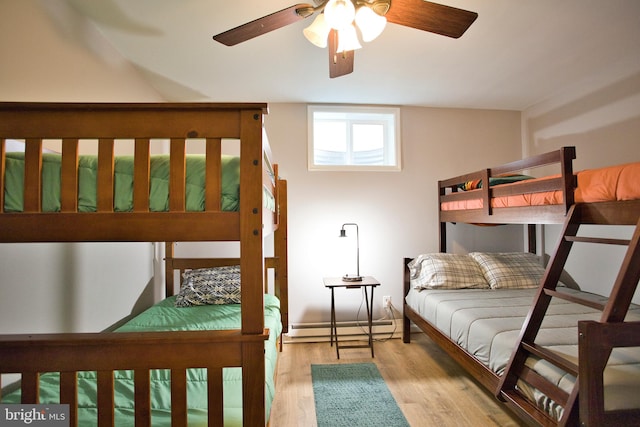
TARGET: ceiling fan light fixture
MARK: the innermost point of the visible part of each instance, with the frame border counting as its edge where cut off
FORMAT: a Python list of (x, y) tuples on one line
[(348, 39), (370, 23), (318, 31), (340, 17), (339, 13)]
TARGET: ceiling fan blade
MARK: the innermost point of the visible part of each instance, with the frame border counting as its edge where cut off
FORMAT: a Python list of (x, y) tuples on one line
[(265, 24), (340, 64), (433, 17)]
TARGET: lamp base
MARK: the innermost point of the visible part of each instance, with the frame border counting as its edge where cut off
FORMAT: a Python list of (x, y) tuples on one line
[(347, 278)]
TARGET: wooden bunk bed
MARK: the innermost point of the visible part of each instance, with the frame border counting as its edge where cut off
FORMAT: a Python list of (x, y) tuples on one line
[(575, 364), (261, 211)]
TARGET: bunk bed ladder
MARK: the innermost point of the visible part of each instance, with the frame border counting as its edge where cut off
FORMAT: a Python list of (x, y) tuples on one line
[(613, 311)]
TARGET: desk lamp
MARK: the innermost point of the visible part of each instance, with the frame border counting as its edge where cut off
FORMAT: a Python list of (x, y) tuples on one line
[(343, 233)]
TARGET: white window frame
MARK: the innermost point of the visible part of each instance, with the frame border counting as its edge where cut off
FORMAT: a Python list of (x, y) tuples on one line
[(392, 142)]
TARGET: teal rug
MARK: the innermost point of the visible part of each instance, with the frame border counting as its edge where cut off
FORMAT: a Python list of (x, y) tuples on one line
[(352, 395)]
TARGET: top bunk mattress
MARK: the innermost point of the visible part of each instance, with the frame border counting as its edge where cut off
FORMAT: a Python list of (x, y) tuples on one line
[(612, 183), (123, 183)]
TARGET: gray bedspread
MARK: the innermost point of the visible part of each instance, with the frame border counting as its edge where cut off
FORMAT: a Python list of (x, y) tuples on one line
[(486, 323)]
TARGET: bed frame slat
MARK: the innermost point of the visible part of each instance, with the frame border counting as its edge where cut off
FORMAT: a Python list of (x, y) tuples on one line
[(562, 363), (542, 384), (215, 404), (69, 176), (179, 397), (30, 385), (106, 416), (572, 298), (213, 181), (3, 151), (142, 397), (141, 176), (106, 180), (487, 192), (33, 175), (69, 394), (177, 175)]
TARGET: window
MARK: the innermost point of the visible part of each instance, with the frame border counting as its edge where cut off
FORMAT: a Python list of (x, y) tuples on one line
[(354, 138)]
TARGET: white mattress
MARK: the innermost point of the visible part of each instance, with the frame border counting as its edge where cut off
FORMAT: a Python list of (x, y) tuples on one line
[(487, 323)]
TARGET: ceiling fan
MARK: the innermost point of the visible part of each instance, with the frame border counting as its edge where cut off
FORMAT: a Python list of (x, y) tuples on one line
[(336, 20)]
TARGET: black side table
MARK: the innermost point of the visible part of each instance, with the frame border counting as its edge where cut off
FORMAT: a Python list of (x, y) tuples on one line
[(366, 282)]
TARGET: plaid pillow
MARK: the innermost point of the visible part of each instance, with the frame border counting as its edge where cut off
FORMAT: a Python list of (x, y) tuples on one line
[(206, 286), (510, 270), (446, 271)]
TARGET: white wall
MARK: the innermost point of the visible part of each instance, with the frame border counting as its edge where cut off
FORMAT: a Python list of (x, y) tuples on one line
[(396, 211), (67, 287), (602, 120), (71, 62)]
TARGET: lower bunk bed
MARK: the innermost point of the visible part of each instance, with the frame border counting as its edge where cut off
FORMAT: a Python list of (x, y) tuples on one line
[(484, 325), (123, 367), (554, 354)]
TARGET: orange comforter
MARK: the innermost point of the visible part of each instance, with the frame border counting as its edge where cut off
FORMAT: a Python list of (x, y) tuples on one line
[(620, 182)]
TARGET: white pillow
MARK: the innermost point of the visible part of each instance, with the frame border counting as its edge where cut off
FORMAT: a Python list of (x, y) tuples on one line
[(446, 271), (510, 270)]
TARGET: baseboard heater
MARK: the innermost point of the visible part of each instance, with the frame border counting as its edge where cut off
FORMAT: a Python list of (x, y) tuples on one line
[(319, 332)]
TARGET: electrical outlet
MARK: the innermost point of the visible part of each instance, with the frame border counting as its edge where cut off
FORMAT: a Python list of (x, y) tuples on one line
[(386, 301)]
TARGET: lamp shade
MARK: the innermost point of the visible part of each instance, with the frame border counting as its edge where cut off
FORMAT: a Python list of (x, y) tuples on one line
[(339, 13), (348, 39), (318, 31), (370, 23)]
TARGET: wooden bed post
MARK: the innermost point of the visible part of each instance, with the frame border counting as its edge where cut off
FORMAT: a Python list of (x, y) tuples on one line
[(532, 237), (2, 169), (281, 254), (486, 192), (168, 269), (251, 266), (406, 322), (251, 251), (566, 165), (442, 237)]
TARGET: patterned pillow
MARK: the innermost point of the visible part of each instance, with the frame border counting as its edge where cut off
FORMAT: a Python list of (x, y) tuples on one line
[(205, 286), (510, 270), (446, 271)]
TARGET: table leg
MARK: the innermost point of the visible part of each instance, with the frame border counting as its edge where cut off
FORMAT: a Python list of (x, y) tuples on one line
[(333, 326), (370, 318)]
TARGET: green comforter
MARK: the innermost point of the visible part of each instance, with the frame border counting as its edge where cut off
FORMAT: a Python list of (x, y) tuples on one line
[(164, 316), (123, 187)]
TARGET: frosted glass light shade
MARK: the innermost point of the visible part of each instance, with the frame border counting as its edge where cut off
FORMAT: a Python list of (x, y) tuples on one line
[(370, 23), (348, 39), (339, 13), (318, 31)]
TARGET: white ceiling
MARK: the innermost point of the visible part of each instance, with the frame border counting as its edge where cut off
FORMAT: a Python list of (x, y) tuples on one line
[(516, 54)]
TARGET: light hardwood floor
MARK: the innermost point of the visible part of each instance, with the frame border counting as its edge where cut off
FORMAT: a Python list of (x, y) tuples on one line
[(429, 387)]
